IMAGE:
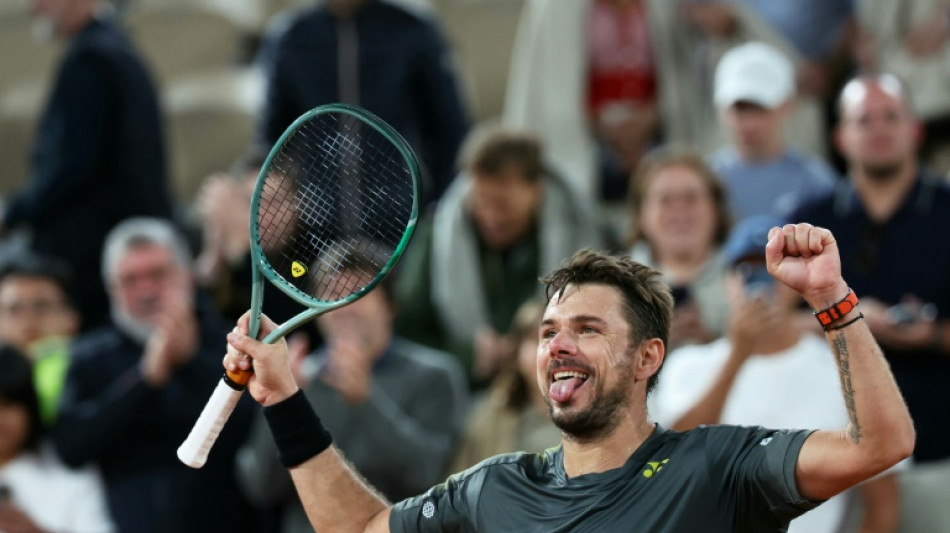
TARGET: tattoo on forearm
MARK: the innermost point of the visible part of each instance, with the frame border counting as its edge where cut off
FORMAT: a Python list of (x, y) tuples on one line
[(844, 372)]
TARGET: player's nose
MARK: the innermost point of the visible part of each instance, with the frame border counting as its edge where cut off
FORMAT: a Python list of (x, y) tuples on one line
[(564, 344)]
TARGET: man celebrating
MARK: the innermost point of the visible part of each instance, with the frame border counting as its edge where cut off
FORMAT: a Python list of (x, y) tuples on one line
[(602, 343), (891, 214)]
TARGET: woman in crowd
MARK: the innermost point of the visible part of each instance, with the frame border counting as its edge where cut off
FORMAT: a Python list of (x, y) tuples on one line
[(679, 220)]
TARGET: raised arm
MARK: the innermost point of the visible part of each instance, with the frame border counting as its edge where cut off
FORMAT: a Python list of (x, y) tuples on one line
[(333, 495), (880, 432)]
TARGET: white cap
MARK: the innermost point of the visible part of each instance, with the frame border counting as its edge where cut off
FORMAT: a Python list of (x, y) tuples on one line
[(756, 73)]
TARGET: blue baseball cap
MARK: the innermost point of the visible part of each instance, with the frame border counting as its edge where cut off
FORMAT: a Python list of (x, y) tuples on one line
[(749, 237)]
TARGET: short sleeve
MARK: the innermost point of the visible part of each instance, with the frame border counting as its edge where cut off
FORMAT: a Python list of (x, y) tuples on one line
[(442, 509), (758, 466)]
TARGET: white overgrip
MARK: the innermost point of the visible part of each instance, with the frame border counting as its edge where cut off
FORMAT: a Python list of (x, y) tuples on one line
[(194, 451)]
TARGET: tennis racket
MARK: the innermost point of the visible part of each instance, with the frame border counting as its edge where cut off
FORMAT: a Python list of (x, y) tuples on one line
[(333, 209)]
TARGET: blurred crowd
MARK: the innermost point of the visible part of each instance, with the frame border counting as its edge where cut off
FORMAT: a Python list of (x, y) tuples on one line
[(674, 131)]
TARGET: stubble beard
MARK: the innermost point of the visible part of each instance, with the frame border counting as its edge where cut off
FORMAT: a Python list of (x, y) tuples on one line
[(134, 328), (603, 415)]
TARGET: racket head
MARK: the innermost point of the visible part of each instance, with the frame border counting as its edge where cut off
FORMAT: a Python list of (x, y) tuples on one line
[(334, 206)]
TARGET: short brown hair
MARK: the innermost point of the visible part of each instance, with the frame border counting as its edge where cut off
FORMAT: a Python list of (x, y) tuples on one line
[(675, 156), (647, 302), (492, 147)]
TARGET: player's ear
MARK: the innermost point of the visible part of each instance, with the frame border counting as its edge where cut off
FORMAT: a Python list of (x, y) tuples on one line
[(651, 354)]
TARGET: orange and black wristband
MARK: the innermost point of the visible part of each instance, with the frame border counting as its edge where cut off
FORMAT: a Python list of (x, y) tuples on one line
[(297, 430), (828, 316)]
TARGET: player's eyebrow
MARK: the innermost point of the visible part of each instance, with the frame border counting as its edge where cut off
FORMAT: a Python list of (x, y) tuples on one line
[(578, 319)]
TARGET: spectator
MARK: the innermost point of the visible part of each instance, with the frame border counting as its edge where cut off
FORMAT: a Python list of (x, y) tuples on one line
[(374, 54), (764, 373), (755, 95), (135, 388), (889, 219), (502, 223), (567, 84), (512, 416), (396, 408), (679, 221), (223, 265), (98, 155), (37, 317), (912, 40), (37, 492)]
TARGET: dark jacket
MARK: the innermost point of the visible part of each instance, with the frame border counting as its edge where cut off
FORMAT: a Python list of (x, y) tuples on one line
[(403, 76), (98, 158), (110, 417)]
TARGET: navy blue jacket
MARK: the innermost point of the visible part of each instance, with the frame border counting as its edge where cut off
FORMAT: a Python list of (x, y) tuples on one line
[(404, 77), (110, 417)]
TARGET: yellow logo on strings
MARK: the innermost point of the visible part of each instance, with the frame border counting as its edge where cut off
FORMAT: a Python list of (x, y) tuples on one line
[(654, 467), (297, 269)]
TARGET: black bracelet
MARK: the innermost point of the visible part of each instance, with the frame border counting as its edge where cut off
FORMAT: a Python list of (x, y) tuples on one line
[(846, 324), (297, 430)]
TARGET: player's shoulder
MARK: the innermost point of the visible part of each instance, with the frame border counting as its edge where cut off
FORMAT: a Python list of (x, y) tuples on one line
[(724, 441), (520, 464)]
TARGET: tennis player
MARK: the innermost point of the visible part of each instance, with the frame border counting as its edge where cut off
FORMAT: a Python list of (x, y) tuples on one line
[(602, 344)]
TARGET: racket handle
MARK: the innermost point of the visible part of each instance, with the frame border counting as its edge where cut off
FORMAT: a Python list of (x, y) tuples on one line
[(194, 451)]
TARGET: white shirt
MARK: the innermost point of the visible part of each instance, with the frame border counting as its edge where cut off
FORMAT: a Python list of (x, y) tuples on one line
[(55, 497), (795, 389)]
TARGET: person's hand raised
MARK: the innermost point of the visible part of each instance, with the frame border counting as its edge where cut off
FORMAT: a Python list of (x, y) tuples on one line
[(805, 258), (272, 380)]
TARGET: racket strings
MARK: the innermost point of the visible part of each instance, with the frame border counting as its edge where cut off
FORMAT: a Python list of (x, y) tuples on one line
[(336, 202)]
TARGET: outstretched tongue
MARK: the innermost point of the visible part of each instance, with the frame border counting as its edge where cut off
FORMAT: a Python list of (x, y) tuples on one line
[(563, 390)]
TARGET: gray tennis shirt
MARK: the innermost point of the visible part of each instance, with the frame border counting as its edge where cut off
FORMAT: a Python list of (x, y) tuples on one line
[(713, 479)]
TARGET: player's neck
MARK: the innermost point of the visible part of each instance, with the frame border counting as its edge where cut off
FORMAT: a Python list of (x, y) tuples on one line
[(608, 452)]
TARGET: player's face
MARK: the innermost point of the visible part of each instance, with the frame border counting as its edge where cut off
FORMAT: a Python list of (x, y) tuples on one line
[(585, 361)]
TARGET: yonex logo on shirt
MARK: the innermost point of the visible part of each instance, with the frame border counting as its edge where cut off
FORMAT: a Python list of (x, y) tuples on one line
[(653, 467), (428, 509)]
